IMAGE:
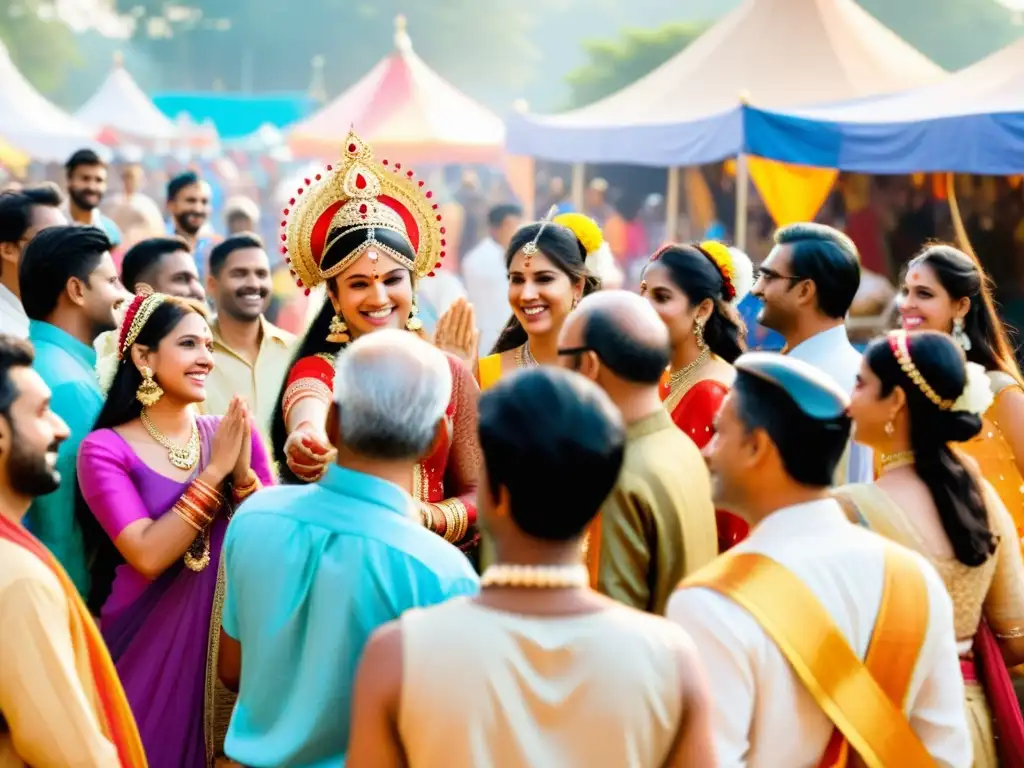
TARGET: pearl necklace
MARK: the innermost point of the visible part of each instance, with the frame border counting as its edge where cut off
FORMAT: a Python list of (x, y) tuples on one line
[(891, 461), (536, 576), (525, 358), (683, 376)]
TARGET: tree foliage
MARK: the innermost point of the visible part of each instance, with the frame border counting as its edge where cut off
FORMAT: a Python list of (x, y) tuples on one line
[(612, 65), (42, 48)]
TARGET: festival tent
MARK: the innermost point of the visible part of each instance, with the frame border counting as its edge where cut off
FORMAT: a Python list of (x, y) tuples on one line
[(972, 122), (122, 111), (772, 53), (407, 111), (34, 126)]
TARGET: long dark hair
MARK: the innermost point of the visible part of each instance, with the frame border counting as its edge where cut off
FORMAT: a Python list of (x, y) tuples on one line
[(694, 273), (955, 491), (119, 408), (315, 342), (565, 251), (962, 277)]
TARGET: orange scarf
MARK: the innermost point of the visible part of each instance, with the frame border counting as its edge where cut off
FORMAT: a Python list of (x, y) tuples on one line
[(116, 716)]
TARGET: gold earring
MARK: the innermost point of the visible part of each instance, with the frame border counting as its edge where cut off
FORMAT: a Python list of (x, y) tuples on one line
[(414, 323), (890, 428), (698, 335), (575, 303), (149, 392), (337, 331)]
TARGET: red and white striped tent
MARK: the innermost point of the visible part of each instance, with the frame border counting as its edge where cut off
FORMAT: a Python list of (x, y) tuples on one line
[(405, 110)]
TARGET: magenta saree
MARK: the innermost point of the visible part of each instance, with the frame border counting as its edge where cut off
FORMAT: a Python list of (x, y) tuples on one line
[(163, 634)]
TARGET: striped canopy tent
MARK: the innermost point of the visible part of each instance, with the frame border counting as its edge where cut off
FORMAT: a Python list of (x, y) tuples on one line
[(407, 111), (31, 124), (121, 111)]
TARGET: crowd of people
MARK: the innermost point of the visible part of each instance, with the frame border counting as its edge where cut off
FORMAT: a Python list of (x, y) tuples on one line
[(574, 525)]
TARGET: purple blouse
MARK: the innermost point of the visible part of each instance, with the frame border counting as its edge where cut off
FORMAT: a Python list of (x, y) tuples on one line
[(120, 489)]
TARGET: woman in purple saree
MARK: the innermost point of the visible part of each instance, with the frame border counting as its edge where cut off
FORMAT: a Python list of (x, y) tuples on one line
[(158, 485)]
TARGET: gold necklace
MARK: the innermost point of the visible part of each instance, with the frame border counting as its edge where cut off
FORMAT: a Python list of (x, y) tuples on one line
[(891, 461), (535, 576), (684, 376), (525, 358), (181, 457)]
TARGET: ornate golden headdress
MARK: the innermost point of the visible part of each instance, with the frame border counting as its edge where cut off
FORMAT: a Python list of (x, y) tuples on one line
[(360, 194)]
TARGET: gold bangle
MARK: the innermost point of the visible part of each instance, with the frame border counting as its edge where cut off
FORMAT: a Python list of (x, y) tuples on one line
[(200, 503), (209, 491), (457, 517), (462, 515), (241, 492), (449, 522)]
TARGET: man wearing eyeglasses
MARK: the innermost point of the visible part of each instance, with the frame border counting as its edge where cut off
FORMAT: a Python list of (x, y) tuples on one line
[(807, 285), (658, 525)]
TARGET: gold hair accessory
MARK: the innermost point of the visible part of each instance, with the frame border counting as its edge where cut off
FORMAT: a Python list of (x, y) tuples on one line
[(360, 194), (531, 247), (149, 392), (901, 350), (135, 319)]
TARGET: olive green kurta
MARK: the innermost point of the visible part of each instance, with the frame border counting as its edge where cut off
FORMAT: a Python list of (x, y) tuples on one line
[(658, 525)]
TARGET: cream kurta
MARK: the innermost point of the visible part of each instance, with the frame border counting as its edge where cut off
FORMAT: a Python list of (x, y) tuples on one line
[(47, 697), (764, 717), (482, 687)]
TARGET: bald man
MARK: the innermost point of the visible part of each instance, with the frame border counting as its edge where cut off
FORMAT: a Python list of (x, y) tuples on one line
[(658, 525)]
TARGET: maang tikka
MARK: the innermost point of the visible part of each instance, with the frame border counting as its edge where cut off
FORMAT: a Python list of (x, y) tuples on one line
[(531, 247)]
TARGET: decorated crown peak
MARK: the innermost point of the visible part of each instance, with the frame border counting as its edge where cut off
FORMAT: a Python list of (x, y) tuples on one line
[(355, 149)]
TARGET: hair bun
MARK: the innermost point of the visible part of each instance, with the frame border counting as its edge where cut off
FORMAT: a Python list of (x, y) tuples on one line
[(955, 426)]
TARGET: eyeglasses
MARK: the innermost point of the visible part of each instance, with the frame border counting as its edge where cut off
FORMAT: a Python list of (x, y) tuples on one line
[(770, 275), (573, 350)]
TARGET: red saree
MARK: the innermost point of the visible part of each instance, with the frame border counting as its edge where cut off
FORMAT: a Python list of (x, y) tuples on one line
[(694, 411), (449, 474), (115, 716)]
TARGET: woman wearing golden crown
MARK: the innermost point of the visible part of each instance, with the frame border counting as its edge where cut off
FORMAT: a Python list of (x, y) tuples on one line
[(369, 231)]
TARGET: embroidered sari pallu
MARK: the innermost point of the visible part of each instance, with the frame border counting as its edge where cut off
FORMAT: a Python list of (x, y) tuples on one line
[(864, 700)]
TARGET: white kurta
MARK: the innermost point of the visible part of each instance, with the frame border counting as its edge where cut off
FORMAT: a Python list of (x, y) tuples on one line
[(831, 352), (486, 280), (13, 320), (764, 717)]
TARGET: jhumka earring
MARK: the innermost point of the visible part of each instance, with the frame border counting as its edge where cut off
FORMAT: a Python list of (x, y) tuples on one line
[(149, 392), (960, 335), (414, 323), (337, 331), (698, 335)]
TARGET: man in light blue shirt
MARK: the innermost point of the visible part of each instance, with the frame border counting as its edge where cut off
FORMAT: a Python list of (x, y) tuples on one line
[(312, 570), (807, 284), (70, 289)]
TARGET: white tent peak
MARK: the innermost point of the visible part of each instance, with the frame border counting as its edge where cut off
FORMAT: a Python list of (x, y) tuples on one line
[(30, 123), (119, 104), (403, 43), (771, 53)]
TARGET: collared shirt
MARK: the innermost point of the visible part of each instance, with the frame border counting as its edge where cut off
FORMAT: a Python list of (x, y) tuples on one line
[(486, 279), (311, 572), (658, 524), (69, 369), (13, 319), (764, 717), (47, 693), (831, 352), (98, 220), (259, 383)]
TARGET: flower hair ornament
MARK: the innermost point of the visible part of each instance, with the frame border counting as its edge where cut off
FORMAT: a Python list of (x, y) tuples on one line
[(977, 396), (140, 309), (360, 193), (735, 267)]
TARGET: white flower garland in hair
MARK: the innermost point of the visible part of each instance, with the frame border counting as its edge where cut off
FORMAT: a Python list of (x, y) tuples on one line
[(106, 370), (977, 396)]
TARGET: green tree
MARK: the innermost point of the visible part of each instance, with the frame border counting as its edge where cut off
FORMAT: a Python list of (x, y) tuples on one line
[(612, 65), (42, 48)]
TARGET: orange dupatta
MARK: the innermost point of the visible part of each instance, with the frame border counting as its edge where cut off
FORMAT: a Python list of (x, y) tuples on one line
[(116, 718)]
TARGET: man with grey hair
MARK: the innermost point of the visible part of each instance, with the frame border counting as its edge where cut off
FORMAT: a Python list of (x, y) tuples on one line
[(312, 570)]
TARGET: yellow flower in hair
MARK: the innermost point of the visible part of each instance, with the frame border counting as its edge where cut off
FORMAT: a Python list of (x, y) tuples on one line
[(585, 228), (721, 256)]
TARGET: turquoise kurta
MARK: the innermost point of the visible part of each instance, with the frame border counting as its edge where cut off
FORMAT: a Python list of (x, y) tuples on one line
[(69, 369)]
